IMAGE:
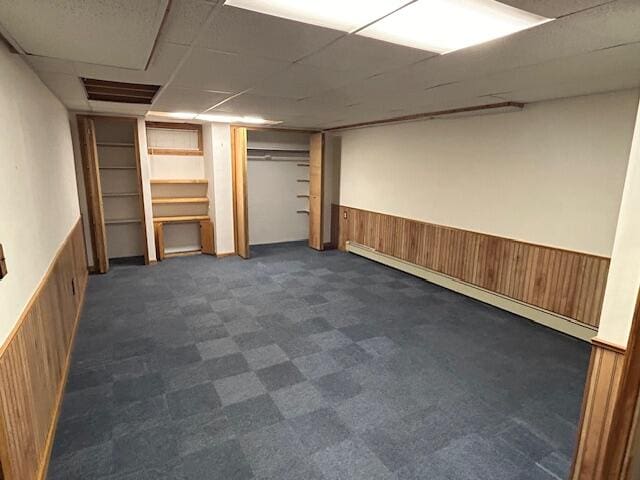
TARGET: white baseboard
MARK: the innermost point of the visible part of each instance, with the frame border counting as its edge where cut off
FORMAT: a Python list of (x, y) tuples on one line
[(544, 317)]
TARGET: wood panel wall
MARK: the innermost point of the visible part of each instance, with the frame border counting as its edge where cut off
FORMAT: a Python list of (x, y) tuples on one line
[(34, 363), (601, 392), (568, 283)]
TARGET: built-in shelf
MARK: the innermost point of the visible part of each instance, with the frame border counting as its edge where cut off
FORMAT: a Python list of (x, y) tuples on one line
[(181, 218), (302, 180), (121, 221), (276, 148), (124, 194), (172, 200), (118, 168), (303, 164), (115, 144), (178, 181), (303, 211), (302, 196)]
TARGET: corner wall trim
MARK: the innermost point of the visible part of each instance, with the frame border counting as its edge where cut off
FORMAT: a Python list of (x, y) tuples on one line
[(548, 319), (34, 363)]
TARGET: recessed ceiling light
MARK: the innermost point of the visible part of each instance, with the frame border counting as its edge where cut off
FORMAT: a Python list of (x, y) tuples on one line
[(222, 118), (183, 115), (345, 15), (445, 25)]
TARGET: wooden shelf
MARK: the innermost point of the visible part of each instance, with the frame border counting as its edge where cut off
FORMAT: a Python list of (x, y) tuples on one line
[(115, 144), (303, 211), (121, 221), (303, 164), (181, 219), (171, 200), (180, 181), (117, 168), (302, 196), (125, 194), (301, 180)]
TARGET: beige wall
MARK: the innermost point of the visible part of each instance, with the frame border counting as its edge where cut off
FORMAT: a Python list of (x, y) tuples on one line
[(38, 194), (551, 174), (623, 281)]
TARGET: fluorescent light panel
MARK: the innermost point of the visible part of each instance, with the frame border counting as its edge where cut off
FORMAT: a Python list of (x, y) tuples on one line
[(216, 117), (446, 25), (344, 15), (434, 25)]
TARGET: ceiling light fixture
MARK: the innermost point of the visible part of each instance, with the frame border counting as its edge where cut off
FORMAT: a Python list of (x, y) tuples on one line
[(182, 115), (440, 26), (443, 26), (344, 15), (223, 118)]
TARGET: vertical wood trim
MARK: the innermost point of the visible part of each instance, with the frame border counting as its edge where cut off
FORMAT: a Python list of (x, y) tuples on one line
[(601, 392), (239, 179), (91, 172), (564, 282), (143, 215), (618, 454), (34, 363), (316, 190), (158, 228), (206, 237)]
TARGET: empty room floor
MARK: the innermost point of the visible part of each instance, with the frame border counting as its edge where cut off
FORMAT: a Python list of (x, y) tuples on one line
[(310, 365)]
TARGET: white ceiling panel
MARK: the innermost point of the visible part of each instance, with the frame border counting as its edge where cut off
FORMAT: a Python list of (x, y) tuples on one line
[(300, 81), (185, 19), (554, 8), (52, 65), (165, 59), (365, 55), (119, 33), (68, 88), (249, 104), (114, 107), (175, 99), (249, 33), (224, 72)]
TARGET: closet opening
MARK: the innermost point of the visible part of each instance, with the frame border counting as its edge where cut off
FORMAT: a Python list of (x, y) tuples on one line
[(278, 187)]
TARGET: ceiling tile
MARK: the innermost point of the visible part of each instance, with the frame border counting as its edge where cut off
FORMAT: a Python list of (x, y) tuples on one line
[(300, 81), (249, 104), (246, 32), (366, 55), (226, 72), (68, 88), (118, 33), (175, 99), (553, 8), (185, 19), (48, 64), (166, 58), (124, 108)]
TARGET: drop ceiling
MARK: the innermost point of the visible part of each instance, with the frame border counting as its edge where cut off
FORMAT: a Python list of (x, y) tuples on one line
[(211, 57)]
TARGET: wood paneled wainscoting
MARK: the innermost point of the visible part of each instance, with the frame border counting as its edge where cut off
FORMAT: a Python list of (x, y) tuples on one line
[(600, 395), (568, 284), (34, 363)]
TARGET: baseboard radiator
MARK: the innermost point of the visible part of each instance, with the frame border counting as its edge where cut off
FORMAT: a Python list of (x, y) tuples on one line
[(34, 363)]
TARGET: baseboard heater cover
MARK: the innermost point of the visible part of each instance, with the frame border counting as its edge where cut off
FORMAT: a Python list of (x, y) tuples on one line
[(557, 322)]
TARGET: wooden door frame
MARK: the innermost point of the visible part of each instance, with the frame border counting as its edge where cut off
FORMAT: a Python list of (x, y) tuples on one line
[(93, 192), (316, 191), (240, 191)]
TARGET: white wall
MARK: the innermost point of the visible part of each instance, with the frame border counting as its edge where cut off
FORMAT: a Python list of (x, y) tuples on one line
[(551, 174), (623, 280), (38, 193), (273, 204)]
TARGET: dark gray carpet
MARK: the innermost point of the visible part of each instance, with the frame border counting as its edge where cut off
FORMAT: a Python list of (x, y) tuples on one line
[(299, 365)]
